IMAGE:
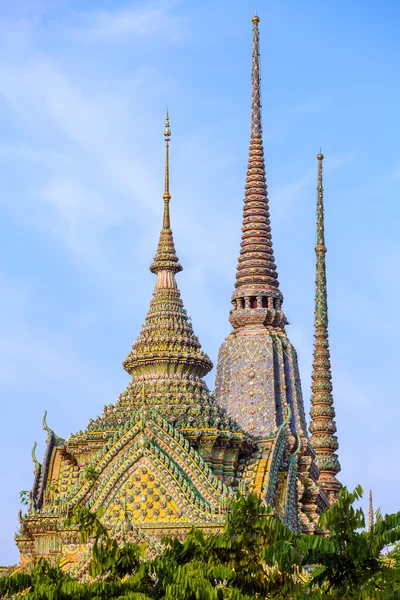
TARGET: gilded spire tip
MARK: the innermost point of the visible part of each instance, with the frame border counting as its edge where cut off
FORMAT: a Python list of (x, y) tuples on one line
[(165, 258), (167, 130), (167, 195), (256, 129)]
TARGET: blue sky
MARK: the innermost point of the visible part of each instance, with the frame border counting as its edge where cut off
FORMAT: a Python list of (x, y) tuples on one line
[(83, 91)]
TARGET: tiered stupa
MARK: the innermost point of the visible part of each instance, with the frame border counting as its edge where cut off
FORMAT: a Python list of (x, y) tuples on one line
[(168, 455), (257, 379)]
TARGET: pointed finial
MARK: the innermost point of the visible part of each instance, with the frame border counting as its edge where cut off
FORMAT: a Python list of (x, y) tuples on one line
[(165, 258), (167, 195), (320, 207), (370, 513), (255, 83), (167, 131)]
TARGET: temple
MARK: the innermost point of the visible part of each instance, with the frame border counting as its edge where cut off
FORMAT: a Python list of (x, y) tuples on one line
[(169, 454)]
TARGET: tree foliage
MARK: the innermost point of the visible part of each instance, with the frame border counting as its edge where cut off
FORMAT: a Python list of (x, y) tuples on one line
[(256, 557)]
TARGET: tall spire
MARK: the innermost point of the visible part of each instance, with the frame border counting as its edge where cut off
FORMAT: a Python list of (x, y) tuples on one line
[(167, 352), (257, 377), (166, 259), (370, 513), (167, 195), (256, 126), (323, 426), (257, 299)]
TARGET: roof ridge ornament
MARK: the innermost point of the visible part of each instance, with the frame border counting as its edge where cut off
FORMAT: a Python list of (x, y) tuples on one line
[(34, 458), (51, 435), (45, 426)]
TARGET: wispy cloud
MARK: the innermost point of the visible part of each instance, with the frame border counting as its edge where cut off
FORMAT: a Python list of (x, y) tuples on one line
[(93, 172), (78, 216), (20, 151), (337, 161), (14, 295), (76, 205), (48, 355), (311, 104), (286, 195), (132, 24)]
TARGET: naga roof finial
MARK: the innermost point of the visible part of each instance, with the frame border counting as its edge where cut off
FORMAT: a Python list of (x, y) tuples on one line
[(44, 423), (323, 426), (51, 435), (34, 459)]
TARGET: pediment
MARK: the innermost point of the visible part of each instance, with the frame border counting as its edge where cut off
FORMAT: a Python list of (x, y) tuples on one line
[(150, 475)]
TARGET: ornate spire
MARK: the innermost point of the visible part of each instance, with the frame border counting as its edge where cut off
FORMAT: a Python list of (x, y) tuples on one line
[(166, 258), (256, 126), (167, 195), (257, 374), (167, 352), (370, 513), (322, 426), (257, 299)]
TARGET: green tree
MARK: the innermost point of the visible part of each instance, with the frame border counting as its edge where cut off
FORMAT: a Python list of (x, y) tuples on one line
[(256, 557), (353, 565)]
